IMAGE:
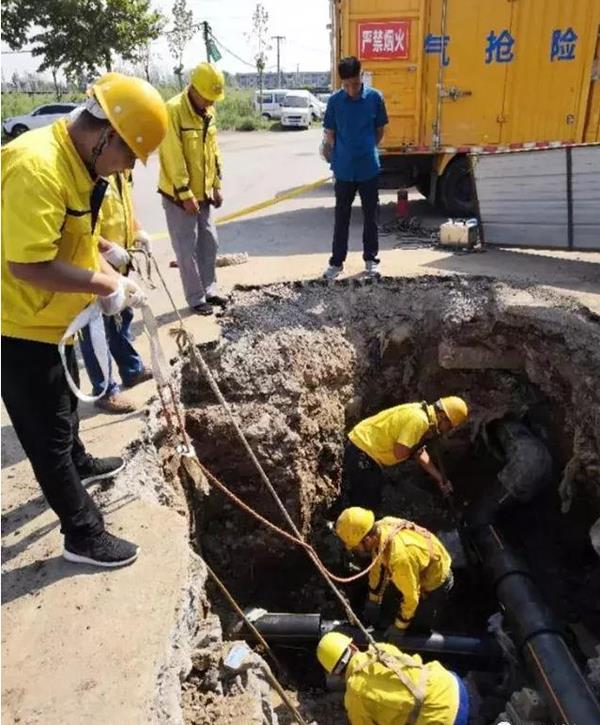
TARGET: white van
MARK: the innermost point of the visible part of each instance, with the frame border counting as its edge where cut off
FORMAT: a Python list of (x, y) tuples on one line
[(297, 109), (271, 102)]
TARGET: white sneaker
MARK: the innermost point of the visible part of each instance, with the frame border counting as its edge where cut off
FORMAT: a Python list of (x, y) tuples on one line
[(332, 272), (372, 269)]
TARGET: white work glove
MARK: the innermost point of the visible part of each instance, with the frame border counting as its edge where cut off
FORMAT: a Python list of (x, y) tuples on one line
[(134, 294), (127, 294), (116, 255), (142, 241), (113, 303)]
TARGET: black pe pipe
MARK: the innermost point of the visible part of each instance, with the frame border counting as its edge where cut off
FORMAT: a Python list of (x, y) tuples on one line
[(282, 628), (538, 634)]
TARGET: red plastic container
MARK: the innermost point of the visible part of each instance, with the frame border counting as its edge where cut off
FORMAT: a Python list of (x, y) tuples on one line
[(402, 209)]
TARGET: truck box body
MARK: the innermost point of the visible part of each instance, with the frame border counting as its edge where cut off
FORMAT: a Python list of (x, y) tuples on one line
[(458, 74)]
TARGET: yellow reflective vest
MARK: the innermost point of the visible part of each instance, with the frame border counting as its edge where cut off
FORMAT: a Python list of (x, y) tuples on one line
[(376, 696), (46, 215), (415, 561), (190, 159)]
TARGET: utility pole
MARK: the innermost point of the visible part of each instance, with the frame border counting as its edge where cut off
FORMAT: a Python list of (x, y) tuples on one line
[(278, 38), (206, 34)]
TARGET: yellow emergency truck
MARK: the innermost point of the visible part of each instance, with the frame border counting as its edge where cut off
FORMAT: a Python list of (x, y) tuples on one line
[(466, 75)]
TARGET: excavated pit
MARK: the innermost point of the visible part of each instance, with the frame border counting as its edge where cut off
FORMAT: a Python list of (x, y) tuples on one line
[(301, 363)]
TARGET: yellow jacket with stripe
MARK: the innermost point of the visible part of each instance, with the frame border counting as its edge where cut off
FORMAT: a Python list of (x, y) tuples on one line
[(414, 561), (47, 200), (190, 159), (375, 695), (118, 217)]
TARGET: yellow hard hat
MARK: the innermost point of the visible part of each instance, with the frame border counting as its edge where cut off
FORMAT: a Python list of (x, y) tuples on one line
[(353, 525), (455, 409), (208, 81), (331, 649), (135, 110)]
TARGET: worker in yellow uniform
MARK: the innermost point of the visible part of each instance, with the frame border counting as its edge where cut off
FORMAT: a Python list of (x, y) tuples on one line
[(407, 555), (190, 184), (119, 233), (393, 436), (53, 183), (384, 686)]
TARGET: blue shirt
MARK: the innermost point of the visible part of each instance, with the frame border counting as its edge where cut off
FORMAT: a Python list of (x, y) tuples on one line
[(355, 155)]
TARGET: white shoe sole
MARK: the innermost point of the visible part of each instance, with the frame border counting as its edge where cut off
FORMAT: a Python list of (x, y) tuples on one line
[(78, 559), (101, 476)]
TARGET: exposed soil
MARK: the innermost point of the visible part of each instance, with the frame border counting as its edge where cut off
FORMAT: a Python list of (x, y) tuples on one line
[(301, 363)]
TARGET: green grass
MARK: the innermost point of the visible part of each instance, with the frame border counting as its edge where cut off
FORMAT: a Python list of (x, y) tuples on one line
[(236, 112)]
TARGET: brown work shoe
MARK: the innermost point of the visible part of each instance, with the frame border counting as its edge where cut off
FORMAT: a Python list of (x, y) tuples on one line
[(116, 403), (141, 377)]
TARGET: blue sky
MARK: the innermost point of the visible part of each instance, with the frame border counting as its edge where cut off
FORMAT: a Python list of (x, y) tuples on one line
[(303, 23)]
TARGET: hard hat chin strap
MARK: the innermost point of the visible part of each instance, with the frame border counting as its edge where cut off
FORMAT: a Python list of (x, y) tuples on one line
[(98, 149)]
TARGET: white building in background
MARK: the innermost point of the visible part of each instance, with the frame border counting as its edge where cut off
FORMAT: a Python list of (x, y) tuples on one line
[(301, 79)]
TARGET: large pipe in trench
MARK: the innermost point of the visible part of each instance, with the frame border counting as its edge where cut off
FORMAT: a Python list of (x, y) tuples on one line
[(287, 628), (537, 632)]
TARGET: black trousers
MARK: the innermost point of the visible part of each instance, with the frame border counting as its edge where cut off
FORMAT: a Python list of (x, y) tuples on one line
[(362, 479), (43, 411), (345, 191)]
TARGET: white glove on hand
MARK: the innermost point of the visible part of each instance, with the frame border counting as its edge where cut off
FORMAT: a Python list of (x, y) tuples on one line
[(116, 255), (113, 303), (134, 294), (142, 241)]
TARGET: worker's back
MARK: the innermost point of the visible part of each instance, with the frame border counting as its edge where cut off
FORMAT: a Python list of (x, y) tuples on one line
[(405, 424), (374, 693), (415, 548)]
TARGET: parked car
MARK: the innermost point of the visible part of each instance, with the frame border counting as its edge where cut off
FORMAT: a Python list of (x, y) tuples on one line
[(297, 109), (317, 107), (40, 116), (271, 103), (324, 97)]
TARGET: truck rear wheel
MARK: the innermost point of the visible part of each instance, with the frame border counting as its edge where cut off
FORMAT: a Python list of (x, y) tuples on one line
[(456, 189)]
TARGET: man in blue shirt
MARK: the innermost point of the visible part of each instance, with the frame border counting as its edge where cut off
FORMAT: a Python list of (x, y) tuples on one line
[(354, 124)]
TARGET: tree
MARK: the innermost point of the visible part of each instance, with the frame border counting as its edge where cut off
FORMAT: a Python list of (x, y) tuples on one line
[(259, 39), (183, 30), (80, 35)]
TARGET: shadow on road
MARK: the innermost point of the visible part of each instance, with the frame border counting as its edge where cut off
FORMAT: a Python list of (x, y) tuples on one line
[(537, 268), (30, 579)]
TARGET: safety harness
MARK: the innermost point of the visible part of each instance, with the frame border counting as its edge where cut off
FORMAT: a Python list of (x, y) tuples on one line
[(395, 664), (400, 525)]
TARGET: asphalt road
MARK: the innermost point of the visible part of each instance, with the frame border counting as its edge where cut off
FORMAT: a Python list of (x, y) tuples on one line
[(256, 167)]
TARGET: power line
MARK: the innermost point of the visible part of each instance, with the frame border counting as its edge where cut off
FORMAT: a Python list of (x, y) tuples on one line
[(245, 62), (16, 52)]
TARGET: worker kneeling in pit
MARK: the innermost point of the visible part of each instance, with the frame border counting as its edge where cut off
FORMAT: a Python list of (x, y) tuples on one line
[(52, 192), (409, 556), (393, 436), (388, 687)]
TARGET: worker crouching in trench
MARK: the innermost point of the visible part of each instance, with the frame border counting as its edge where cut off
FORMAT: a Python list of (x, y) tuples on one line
[(405, 554), (384, 686)]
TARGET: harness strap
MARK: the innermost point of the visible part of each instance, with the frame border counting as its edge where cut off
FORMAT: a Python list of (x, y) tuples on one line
[(395, 664), (92, 316), (401, 525)]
